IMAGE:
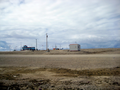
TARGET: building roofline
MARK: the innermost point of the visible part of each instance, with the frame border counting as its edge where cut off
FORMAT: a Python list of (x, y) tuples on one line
[(74, 44)]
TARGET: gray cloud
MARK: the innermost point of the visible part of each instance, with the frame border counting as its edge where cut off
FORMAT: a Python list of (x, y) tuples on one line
[(3, 46), (65, 21)]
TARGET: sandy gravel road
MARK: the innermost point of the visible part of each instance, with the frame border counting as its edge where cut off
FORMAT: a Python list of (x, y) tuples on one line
[(90, 55), (62, 61)]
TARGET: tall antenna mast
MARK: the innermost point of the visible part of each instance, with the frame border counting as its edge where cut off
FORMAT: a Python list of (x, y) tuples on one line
[(46, 41), (36, 44)]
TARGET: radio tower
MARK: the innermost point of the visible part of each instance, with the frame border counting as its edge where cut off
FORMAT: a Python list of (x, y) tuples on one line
[(46, 41), (36, 44)]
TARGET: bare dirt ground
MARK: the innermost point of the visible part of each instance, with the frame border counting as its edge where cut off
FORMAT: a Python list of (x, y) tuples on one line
[(90, 69)]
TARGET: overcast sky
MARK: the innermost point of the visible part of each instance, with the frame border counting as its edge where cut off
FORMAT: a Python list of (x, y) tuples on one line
[(90, 23)]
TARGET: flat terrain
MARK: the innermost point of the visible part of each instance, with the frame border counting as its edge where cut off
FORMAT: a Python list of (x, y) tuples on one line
[(62, 61), (40, 70), (66, 52)]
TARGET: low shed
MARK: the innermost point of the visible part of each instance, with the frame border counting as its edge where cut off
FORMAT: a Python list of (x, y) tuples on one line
[(74, 47)]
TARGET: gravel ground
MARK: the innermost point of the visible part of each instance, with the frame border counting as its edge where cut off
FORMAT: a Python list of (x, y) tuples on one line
[(60, 72), (62, 61)]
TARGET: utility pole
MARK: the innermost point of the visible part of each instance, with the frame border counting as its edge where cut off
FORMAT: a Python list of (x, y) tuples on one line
[(36, 44), (60, 46), (9, 47), (46, 41), (42, 47), (21, 46)]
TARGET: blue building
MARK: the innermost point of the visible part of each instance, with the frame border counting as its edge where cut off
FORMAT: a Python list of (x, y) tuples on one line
[(25, 47)]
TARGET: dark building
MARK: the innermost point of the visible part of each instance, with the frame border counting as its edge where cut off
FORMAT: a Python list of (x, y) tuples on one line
[(25, 47)]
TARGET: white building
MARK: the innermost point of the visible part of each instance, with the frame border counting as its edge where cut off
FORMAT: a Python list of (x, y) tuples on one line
[(74, 47)]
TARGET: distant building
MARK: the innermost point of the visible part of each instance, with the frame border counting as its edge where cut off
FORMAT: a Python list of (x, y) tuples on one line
[(74, 47), (55, 48), (25, 47)]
